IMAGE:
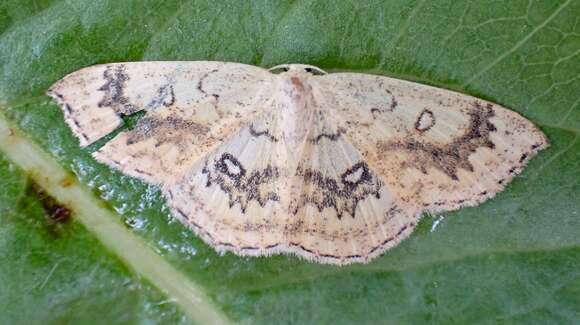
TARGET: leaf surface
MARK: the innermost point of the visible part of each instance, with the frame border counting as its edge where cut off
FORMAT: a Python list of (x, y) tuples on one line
[(512, 259)]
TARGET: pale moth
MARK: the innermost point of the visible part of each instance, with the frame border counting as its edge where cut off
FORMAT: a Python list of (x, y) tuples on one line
[(336, 168)]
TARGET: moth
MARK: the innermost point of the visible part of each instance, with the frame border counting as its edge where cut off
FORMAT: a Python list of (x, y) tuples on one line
[(334, 167)]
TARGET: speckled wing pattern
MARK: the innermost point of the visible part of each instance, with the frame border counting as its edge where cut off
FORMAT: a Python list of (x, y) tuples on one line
[(436, 149), (191, 107), (335, 168)]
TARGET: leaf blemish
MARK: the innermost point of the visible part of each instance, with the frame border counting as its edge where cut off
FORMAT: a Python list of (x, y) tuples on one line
[(55, 212), (67, 181)]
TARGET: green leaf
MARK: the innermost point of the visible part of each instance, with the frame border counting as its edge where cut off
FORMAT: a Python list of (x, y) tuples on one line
[(56, 272), (513, 259)]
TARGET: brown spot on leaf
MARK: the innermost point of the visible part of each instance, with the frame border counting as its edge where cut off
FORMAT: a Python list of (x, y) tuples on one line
[(56, 212), (67, 181)]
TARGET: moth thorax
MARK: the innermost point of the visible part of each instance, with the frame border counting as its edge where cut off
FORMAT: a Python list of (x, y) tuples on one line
[(295, 117)]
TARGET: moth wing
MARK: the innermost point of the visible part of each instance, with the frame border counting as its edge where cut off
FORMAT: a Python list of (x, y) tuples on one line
[(247, 197), (435, 148), (342, 211), (94, 98), (232, 198), (190, 108)]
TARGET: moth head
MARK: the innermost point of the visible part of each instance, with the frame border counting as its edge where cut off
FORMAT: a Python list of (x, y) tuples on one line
[(297, 68)]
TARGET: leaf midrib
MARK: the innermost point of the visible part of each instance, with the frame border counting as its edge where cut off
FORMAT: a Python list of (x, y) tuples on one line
[(105, 225)]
